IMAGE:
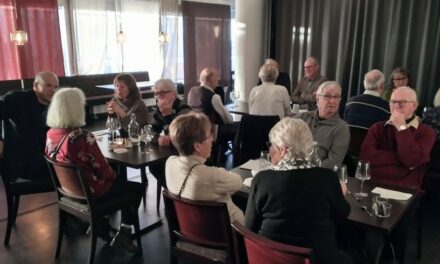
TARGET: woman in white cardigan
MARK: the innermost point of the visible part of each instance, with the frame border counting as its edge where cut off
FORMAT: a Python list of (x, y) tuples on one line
[(187, 174)]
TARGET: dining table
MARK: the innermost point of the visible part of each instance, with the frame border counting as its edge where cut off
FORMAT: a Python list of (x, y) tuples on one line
[(361, 214), (133, 157)]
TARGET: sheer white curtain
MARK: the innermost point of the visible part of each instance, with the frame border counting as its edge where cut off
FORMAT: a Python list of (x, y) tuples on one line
[(89, 29)]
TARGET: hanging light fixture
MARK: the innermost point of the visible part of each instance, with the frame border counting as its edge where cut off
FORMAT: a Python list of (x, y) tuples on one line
[(163, 38), (121, 37), (19, 37)]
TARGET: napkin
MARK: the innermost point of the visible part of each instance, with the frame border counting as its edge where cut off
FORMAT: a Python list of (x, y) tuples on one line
[(247, 182), (390, 194), (251, 165)]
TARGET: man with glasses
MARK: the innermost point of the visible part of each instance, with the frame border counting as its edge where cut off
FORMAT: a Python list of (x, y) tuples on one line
[(328, 129), (168, 108), (399, 148), (398, 151), (365, 109), (305, 92)]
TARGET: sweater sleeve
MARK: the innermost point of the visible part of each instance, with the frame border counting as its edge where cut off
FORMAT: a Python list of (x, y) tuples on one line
[(371, 149), (253, 215), (296, 94), (414, 147), (218, 106), (227, 182), (339, 146)]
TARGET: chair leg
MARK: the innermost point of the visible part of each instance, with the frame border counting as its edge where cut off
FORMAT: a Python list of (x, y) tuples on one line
[(92, 241), (144, 181), (9, 201), (158, 193), (15, 203), (61, 224), (137, 232)]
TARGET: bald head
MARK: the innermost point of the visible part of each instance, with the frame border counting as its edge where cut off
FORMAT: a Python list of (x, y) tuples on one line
[(45, 85), (209, 77), (374, 81)]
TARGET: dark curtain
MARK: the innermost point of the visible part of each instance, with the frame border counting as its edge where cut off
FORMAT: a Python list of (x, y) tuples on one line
[(206, 41), (351, 37)]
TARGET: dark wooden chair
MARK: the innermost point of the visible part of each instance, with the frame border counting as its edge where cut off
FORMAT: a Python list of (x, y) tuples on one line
[(252, 136), (199, 231), (75, 198), (16, 187), (254, 249)]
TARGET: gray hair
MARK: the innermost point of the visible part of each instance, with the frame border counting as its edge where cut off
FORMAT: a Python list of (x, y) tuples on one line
[(326, 85), (67, 109), (268, 73), (437, 98), (165, 85), (412, 93), (42, 76), (294, 134), (373, 80)]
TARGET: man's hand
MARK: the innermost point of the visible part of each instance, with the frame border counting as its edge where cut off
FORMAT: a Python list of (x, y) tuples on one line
[(164, 141), (398, 119), (165, 106)]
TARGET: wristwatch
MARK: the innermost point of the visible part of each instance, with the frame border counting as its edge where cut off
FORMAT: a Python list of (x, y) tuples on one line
[(402, 127)]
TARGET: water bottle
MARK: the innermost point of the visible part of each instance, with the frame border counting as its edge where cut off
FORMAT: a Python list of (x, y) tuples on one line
[(314, 159), (133, 130)]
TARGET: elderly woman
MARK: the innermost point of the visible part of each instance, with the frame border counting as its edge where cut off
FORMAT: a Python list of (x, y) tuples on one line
[(187, 176), (399, 77), (127, 100), (269, 98), (65, 117), (293, 202)]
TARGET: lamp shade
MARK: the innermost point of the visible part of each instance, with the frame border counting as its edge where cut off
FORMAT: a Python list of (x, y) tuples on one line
[(120, 37), (163, 38), (20, 37)]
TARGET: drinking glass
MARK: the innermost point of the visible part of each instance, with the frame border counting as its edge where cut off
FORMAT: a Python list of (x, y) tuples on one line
[(341, 170), (264, 161), (113, 124), (146, 135), (362, 174), (236, 96), (295, 109)]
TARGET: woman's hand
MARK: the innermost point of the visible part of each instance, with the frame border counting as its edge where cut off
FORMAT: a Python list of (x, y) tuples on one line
[(164, 141), (113, 107), (344, 188)]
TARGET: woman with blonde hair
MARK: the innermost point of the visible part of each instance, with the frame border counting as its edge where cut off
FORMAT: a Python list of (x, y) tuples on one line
[(294, 202)]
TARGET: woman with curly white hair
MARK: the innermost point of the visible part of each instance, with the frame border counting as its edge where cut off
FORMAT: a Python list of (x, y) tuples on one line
[(296, 203)]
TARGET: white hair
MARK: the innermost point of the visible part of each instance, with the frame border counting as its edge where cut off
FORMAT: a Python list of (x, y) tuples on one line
[(373, 80), (67, 109), (166, 85), (328, 84), (268, 73), (294, 134)]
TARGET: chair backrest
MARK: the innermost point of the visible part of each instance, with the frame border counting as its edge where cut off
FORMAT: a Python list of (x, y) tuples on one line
[(204, 223), (357, 136), (68, 180), (252, 136), (255, 249)]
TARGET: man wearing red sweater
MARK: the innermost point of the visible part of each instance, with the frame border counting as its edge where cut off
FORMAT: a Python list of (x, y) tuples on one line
[(399, 148)]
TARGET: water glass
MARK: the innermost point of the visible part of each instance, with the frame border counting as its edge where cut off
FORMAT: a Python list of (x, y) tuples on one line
[(295, 109), (381, 206), (264, 161), (341, 170)]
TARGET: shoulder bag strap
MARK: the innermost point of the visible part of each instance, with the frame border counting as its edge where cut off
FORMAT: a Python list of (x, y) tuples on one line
[(186, 178), (53, 155)]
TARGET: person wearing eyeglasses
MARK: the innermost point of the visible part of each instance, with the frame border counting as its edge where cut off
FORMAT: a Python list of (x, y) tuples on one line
[(127, 100), (328, 129), (305, 92), (399, 77), (398, 150), (365, 109), (168, 108)]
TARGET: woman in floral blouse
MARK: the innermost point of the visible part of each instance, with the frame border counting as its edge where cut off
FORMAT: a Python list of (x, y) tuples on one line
[(66, 116)]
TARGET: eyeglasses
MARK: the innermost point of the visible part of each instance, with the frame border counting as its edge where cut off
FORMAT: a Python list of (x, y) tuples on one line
[(400, 79), (400, 103), (161, 93), (328, 98), (310, 66)]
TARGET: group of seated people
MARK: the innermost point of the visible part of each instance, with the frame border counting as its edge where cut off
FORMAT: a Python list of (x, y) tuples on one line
[(293, 202)]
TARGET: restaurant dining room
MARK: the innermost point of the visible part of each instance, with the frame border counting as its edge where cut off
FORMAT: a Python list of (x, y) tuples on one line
[(220, 131)]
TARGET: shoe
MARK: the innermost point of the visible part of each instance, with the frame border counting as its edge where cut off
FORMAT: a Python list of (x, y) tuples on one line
[(104, 230), (123, 239)]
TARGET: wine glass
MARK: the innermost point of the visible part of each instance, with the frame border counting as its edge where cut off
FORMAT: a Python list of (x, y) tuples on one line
[(236, 96), (147, 135), (341, 170), (362, 174), (112, 124)]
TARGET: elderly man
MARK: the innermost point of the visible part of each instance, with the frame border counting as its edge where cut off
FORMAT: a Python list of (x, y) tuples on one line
[(168, 108), (24, 116), (269, 98), (328, 129), (305, 92), (283, 78), (368, 108), (399, 148), (203, 99)]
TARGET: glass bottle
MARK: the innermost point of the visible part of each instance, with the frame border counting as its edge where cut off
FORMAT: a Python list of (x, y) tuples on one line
[(314, 159), (133, 130)]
